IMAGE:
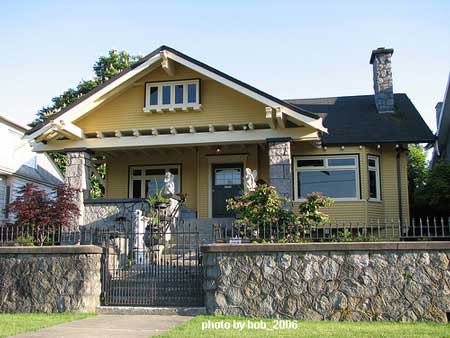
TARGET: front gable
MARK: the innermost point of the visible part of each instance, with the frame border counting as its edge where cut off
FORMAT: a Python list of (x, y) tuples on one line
[(115, 112), (220, 105)]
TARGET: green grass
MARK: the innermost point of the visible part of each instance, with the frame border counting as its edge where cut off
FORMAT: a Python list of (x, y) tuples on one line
[(12, 324), (312, 329)]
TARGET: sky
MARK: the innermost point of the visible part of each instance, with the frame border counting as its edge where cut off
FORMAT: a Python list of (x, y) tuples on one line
[(290, 49)]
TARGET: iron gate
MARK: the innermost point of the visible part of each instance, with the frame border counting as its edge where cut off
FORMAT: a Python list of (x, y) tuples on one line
[(155, 267)]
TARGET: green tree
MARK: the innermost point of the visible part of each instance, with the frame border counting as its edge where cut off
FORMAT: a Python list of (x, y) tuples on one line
[(417, 174), (105, 67), (436, 192)]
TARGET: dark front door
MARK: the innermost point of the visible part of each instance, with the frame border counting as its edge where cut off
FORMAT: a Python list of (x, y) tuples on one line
[(227, 183)]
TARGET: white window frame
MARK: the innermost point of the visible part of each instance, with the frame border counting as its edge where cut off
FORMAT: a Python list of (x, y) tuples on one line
[(144, 177), (325, 159), (376, 169), (172, 106)]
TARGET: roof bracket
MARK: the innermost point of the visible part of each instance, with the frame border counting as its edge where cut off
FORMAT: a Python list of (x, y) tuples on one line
[(166, 63)]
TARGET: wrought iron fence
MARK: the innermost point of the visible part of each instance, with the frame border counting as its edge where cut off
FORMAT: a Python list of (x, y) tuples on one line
[(152, 267), (424, 228)]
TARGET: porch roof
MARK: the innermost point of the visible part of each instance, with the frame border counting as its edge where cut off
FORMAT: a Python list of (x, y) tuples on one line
[(179, 137)]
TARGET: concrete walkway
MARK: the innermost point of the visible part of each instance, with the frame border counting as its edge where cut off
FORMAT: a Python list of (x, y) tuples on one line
[(111, 326)]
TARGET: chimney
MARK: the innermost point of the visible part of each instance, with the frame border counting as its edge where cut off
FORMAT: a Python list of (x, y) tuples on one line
[(382, 79), (438, 109)]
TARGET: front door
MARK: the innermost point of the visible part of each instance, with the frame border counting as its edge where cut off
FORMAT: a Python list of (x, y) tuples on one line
[(227, 183)]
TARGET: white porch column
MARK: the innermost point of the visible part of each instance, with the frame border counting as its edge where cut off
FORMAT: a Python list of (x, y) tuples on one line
[(78, 176), (280, 166)]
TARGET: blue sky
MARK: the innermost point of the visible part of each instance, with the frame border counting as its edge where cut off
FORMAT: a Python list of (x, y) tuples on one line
[(291, 49)]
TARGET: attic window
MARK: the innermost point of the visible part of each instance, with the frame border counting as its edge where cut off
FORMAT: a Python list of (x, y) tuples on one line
[(172, 95)]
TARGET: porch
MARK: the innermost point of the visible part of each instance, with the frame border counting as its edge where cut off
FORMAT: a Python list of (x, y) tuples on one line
[(206, 175)]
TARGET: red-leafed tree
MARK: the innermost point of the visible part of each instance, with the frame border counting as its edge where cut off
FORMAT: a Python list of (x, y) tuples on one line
[(64, 209), (39, 215)]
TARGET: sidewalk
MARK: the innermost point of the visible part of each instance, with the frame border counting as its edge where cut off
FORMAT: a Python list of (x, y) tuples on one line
[(111, 326)]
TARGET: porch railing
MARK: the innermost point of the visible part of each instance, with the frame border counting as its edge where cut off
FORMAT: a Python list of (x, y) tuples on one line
[(426, 228)]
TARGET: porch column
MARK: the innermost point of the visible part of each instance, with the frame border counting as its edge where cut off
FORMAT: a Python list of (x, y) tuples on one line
[(280, 168), (78, 176)]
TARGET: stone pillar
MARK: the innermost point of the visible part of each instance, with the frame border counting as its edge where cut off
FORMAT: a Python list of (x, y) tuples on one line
[(280, 168), (78, 176)]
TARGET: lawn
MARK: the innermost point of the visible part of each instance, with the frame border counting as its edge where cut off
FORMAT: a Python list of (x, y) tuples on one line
[(216, 327), (12, 324)]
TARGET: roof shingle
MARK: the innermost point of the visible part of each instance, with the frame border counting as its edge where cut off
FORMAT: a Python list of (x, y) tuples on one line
[(355, 120)]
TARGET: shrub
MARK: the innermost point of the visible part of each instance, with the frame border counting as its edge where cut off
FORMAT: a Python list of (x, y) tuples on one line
[(25, 240), (310, 215), (39, 214), (263, 212)]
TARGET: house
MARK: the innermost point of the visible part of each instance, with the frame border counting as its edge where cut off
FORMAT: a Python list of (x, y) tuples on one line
[(172, 113), (442, 147), (20, 165)]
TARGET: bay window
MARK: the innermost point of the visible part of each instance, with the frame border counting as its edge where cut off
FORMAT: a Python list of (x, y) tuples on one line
[(373, 166), (146, 181), (333, 176)]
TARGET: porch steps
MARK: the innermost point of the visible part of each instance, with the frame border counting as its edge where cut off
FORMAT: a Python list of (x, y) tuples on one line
[(163, 311), (204, 227)]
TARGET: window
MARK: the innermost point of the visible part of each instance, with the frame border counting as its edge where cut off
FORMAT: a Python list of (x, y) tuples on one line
[(172, 95), (373, 166), (228, 176), (334, 176), (145, 181)]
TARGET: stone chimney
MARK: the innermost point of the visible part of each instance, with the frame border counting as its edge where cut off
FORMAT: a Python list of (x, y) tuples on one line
[(382, 79), (438, 109)]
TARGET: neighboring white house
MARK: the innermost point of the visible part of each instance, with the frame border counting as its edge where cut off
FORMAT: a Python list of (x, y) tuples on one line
[(442, 146), (19, 165)]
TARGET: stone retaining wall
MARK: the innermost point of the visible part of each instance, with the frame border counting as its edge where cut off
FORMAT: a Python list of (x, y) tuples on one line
[(110, 213), (331, 281), (50, 279)]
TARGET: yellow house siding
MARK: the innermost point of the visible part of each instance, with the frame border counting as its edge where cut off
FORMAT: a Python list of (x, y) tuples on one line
[(354, 211), (220, 105), (364, 210)]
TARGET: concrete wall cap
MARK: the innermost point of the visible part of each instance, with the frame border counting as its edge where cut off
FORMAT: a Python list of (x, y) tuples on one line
[(50, 250), (308, 247)]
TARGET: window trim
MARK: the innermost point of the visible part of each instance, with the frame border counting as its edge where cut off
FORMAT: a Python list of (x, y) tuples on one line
[(144, 177), (172, 106), (325, 158), (377, 176)]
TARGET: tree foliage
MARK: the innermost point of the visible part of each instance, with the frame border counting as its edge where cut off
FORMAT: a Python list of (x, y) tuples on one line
[(105, 67), (41, 215), (429, 188), (417, 173), (436, 193)]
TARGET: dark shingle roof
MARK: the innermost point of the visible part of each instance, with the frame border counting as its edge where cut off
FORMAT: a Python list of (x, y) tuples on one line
[(355, 120), (38, 174)]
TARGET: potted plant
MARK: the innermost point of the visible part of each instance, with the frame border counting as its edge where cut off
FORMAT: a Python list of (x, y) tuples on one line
[(158, 200)]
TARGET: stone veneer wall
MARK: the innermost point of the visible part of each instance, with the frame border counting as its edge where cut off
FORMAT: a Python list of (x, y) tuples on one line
[(50, 279), (327, 281), (106, 213), (280, 166), (382, 79)]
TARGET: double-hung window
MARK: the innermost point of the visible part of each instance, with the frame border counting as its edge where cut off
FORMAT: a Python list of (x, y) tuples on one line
[(333, 176), (373, 166), (146, 181), (172, 95)]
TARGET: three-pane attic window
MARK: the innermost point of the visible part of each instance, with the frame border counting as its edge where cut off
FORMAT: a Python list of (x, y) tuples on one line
[(172, 95)]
